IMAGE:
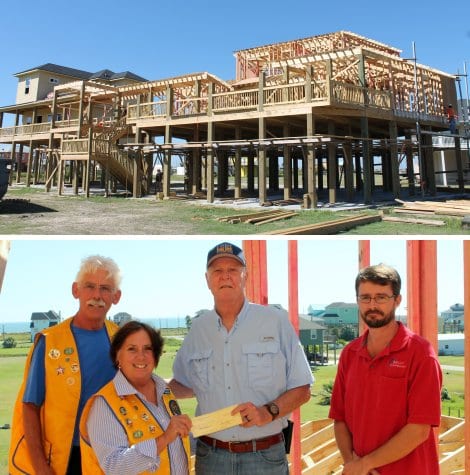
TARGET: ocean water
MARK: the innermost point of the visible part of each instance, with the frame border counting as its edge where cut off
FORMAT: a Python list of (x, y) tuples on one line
[(172, 322)]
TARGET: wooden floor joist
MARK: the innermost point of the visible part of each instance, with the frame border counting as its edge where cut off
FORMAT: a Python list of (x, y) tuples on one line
[(320, 454)]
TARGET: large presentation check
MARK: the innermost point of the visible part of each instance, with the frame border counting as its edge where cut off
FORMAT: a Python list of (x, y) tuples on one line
[(215, 421)]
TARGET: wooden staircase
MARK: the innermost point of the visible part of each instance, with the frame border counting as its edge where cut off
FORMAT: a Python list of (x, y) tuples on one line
[(119, 163)]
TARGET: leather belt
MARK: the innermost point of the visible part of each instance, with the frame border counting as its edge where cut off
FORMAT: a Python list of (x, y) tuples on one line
[(245, 446)]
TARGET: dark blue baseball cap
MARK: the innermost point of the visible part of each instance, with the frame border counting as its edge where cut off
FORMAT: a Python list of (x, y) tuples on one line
[(226, 249)]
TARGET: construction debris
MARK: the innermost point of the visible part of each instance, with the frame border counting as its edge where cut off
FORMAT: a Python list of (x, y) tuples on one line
[(261, 217), (331, 227), (457, 208)]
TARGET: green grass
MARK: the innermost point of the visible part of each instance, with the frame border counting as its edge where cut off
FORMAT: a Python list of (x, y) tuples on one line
[(176, 216), (12, 368)]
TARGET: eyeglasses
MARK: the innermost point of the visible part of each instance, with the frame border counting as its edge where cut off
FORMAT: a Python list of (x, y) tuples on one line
[(103, 289), (380, 299)]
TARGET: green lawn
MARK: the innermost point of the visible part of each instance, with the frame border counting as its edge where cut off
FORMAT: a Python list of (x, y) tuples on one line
[(12, 367)]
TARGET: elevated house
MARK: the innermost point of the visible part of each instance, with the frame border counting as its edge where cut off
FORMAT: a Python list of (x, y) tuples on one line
[(340, 313), (311, 333), (345, 117), (452, 319), (42, 320)]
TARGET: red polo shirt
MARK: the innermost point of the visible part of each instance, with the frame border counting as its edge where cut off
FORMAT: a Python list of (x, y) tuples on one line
[(378, 396)]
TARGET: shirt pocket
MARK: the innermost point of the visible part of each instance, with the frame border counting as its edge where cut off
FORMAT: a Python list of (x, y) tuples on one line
[(260, 360), (199, 364)]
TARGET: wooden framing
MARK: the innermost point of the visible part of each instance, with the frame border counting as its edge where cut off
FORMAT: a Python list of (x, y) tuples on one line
[(317, 98)]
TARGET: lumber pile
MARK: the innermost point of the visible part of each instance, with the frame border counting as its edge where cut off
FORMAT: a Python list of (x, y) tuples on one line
[(457, 208), (261, 217), (331, 227)]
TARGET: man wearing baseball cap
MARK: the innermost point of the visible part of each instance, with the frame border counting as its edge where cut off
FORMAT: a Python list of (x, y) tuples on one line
[(246, 355)]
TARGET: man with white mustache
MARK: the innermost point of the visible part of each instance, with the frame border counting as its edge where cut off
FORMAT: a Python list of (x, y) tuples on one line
[(387, 392), (67, 364)]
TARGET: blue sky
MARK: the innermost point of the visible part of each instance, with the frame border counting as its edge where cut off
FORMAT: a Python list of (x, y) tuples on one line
[(165, 278), (157, 39)]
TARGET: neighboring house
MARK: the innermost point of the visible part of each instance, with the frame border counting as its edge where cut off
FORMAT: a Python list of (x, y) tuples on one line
[(37, 83), (452, 319), (340, 313), (450, 344), (310, 332), (121, 318), (42, 320)]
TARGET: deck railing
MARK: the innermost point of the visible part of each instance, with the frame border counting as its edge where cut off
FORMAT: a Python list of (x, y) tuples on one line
[(350, 94), (74, 146), (29, 129)]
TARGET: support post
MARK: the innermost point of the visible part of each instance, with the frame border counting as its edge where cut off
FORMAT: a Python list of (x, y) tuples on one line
[(422, 289), (364, 261), (257, 280), (466, 287), (293, 285)]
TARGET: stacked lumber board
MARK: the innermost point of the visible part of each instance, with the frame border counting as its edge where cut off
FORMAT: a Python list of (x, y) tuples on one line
[(331, 227), (457, 208), (260, 217)]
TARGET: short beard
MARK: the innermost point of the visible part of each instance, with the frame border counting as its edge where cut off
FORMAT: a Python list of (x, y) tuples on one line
[(376, 323)]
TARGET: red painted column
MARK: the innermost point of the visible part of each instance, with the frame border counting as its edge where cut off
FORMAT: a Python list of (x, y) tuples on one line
[(364, 261), (257, 280), (293, 286), (422, 289), (466, 293)]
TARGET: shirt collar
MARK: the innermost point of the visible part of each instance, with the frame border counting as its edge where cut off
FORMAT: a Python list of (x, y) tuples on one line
[(240, 317), (399, 341), (125, 388)]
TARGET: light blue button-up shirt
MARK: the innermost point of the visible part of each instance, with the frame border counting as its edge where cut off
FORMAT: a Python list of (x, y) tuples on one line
[(259, 359)]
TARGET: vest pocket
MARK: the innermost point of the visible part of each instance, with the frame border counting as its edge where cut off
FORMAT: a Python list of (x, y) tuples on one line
[(21, 460)]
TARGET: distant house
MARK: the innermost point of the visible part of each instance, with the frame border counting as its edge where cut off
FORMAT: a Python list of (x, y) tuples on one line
[(41, 320), (121, 318), (452, 319), (310, 332), (450, 343), (340, 313)]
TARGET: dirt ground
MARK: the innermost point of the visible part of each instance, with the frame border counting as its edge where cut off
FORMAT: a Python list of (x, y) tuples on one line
[(47, 214)]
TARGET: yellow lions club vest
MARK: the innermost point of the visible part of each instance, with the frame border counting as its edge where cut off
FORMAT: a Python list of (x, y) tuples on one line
[(136, 420), (59, 411)]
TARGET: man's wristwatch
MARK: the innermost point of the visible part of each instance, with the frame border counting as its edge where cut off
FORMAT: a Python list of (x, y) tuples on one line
[(273, 409)]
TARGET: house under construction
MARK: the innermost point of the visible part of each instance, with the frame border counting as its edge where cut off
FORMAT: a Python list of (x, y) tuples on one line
[(336, 115)]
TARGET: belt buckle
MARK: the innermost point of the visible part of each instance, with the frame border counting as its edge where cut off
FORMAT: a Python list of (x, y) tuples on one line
[(230, 446)]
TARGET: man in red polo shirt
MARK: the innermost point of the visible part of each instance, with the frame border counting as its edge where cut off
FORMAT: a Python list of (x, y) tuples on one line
[(387, 393)]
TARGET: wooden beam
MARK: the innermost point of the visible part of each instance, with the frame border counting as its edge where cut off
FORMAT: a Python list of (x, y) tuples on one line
[(466, 286), (257, 279)]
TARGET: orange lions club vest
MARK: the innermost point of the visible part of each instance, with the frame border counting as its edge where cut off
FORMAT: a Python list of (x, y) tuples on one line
[(136, 420), (59, 411)]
